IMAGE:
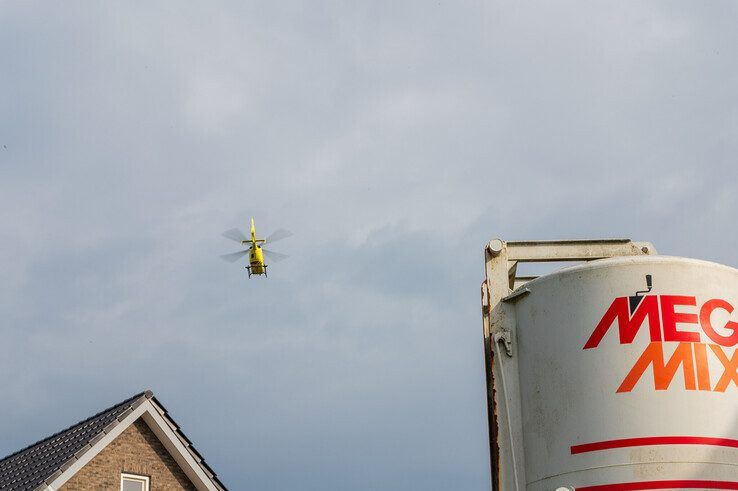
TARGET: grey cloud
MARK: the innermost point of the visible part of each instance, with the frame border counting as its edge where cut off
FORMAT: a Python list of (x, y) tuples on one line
[(394, 139)]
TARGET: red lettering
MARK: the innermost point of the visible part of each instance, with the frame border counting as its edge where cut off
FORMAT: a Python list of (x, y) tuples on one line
[(628, 326), (730, 374), (669, 318), (663, 372), (702, 368), (706, 311)]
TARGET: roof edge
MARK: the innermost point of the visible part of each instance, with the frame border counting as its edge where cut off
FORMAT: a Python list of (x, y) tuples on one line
[(132, 414), (147, 394)]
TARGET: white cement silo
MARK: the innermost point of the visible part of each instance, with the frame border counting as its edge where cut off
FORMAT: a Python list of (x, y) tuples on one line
[(620, 373)]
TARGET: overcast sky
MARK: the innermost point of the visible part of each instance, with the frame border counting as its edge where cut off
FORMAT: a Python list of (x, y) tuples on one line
[(394, 139)]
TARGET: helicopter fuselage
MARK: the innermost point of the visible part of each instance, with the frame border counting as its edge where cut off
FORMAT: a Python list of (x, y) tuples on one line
[(256, 261)]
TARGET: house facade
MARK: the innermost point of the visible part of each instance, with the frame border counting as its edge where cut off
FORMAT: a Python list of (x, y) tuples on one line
[(132, 446)]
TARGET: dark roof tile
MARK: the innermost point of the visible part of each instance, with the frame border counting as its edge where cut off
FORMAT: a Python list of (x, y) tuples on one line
[(31, 468), (28, 468)]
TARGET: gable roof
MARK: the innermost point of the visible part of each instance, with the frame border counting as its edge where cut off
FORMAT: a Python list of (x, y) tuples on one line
[(49, 463)]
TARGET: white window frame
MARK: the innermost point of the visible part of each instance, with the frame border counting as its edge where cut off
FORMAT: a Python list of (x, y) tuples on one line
[(136, 478)]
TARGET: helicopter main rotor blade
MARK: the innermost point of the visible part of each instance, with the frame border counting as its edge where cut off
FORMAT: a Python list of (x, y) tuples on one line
[(234, 234), (278, 234), (274, 256), (234, 256)]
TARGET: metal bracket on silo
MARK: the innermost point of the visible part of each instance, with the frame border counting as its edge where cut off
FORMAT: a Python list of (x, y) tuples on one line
[(502, 287)]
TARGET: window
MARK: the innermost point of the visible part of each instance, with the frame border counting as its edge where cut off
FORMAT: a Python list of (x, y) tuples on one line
[(131, 482)]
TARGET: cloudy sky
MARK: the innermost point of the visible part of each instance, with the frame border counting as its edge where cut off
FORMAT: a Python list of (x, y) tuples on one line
[(394, 139)]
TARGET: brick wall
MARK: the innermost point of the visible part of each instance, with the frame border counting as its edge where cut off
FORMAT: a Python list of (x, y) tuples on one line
[(135, 451)]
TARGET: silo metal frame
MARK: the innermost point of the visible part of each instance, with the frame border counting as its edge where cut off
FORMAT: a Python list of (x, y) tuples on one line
[(502, 286)]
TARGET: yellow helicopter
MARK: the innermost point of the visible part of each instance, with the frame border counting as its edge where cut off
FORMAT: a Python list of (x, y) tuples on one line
[(255, 250)]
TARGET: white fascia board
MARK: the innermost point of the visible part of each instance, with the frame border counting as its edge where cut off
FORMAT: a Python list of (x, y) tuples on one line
[(177, 449), (163, 432)]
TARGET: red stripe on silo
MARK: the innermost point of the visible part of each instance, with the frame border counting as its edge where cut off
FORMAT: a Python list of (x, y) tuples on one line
[(653, 440), (685, 484)]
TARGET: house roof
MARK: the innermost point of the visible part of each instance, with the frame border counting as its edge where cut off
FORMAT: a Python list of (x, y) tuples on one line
[(47, 461)]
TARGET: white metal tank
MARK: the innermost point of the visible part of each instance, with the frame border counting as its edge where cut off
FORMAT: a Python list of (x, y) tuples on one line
[(617, 374)]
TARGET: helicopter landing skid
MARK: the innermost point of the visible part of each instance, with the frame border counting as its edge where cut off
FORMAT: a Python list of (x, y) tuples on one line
[(264, 268)]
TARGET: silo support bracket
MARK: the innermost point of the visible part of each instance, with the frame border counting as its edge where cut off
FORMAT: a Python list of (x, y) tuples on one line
[(502, 288), (506, 339), (515, 295)]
